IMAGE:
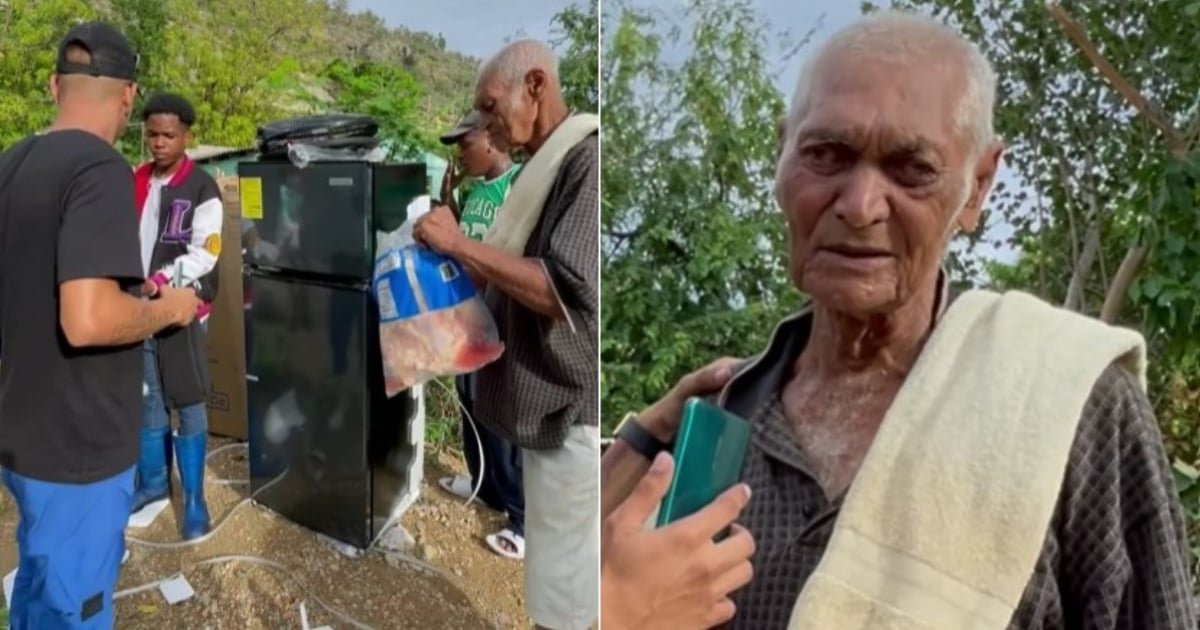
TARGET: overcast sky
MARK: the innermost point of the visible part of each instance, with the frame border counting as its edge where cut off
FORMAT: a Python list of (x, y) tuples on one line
[(477, 28)]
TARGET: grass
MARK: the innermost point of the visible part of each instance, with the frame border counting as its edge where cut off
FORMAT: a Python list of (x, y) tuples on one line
[(442, 416)]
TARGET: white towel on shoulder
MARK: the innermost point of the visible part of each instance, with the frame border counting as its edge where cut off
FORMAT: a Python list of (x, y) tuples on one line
[(523, 207), (943, 524)]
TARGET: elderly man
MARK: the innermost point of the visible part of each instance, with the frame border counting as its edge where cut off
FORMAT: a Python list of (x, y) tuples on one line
[(539, 263), (918, 459)]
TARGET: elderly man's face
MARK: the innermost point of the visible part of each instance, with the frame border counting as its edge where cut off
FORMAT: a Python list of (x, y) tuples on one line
[(870, 179), (509, 113)]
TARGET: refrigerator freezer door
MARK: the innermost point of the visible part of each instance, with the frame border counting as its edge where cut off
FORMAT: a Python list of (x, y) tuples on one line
[(317, 220)]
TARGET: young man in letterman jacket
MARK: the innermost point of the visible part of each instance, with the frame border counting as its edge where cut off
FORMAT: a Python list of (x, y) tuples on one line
[(180, 213)]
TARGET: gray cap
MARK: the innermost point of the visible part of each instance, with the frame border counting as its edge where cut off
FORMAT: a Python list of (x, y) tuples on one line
[(469, 123)]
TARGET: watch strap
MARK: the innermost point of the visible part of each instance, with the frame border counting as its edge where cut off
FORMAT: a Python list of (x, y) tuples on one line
[(639, 439)]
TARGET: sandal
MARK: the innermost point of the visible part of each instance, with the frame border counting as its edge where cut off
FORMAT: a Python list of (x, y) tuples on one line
[(457, 485), (507, 544)]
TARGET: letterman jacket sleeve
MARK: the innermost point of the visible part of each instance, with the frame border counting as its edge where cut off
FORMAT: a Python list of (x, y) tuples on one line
[(205, 247)]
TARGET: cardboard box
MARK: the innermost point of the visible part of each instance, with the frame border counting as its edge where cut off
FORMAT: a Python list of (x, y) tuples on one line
[(226, 326)]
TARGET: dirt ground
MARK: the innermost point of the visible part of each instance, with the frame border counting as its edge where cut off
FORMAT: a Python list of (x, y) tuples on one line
[(381, 591)]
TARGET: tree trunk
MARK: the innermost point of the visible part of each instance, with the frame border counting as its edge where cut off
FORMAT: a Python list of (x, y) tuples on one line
[(1119, 288), (1176, 145), (1083, 267)]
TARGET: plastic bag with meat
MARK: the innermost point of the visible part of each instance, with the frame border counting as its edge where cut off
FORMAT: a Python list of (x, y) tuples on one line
[(431, 320)]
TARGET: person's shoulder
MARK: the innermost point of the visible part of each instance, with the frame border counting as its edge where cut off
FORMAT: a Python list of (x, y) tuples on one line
[(1117, 391), (1117, 412), (82, 155), (581, 160), (63, 157), (206, 185), (586, 152), (80, 147)]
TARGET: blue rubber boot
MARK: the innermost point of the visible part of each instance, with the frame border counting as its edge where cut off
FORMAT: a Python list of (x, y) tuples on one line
[(190, 451), (153, 469)]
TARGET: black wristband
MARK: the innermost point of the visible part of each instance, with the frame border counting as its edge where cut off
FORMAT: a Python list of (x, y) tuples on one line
[(640, 440)]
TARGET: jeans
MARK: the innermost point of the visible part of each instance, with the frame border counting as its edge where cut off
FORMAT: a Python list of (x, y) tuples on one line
[(70, 540), (502, 488), (193, 418)]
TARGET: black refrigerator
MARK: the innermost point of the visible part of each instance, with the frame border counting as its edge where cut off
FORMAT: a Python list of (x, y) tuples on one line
[(328, 449)]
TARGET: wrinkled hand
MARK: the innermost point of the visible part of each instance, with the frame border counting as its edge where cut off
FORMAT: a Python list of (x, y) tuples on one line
[(662, 418), (676, 577), (439, 231), (182, 304)]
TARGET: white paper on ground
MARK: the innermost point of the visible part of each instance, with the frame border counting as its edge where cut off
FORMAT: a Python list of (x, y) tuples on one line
[(176, 589), (125, 557), (8, 587), (145, 516)]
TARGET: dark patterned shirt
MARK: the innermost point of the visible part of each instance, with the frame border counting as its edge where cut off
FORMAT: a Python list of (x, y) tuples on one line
[(547, 379), (1115, 556)]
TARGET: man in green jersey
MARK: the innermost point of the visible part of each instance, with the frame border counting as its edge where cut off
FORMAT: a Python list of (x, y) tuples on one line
[(501, 488)]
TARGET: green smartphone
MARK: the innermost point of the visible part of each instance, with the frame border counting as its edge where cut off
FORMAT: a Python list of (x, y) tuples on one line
[(710, 449)]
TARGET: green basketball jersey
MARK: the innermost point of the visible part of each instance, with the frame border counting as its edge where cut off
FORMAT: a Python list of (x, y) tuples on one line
[(484, 200)]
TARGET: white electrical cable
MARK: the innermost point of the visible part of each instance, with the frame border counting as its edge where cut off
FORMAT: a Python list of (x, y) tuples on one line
[(391, 520), (221, 481), (258, 560), (263, 562), (478, 441)]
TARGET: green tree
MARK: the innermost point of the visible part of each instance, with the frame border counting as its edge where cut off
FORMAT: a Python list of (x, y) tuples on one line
[(1102, 181), (578, 42), (31, 31), (692, 243), (144, 22), (242, 63), (388, 94)]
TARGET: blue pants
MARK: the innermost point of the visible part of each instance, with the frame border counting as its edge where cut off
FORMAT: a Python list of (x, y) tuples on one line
[(193, 419), (70, 539), (502, 487)]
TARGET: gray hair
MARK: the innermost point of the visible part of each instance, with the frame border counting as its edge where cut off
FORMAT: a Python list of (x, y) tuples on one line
[(514, 61), (909, 37)]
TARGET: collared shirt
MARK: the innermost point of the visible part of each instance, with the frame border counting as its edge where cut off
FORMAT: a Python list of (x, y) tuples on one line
[(547, 380), (1115, 556)]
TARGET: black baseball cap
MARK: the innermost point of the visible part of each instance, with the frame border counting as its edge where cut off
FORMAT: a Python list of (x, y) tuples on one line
[(471, 122), (112, 54)]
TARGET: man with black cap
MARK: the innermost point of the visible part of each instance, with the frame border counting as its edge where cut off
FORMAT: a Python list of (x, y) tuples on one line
[(73, 321), (499, 481)]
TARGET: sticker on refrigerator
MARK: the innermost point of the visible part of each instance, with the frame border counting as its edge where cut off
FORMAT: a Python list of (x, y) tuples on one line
[(252, 197)]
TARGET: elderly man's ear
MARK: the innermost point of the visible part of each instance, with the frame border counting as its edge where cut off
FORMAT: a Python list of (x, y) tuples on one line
[(986, 166), (535, 83)]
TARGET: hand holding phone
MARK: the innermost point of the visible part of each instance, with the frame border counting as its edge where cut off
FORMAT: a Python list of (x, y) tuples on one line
[(709, 452), (675, 577)]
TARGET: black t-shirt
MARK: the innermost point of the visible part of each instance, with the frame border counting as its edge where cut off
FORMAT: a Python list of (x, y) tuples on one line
[(67, 415)]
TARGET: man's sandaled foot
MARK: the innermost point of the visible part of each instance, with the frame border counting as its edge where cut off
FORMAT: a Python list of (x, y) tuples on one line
[(507, 544)]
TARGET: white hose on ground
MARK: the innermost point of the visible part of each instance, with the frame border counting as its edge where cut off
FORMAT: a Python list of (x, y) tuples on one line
[(271, 564)]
